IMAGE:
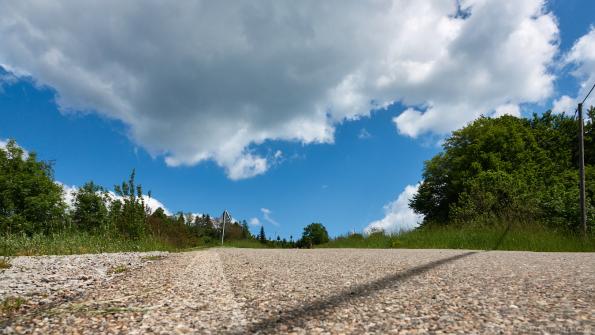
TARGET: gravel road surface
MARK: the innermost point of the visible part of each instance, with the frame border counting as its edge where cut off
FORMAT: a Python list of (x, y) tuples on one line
[(334, 291)]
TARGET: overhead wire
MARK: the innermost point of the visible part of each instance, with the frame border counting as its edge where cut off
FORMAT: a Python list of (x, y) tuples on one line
[(585, 99)]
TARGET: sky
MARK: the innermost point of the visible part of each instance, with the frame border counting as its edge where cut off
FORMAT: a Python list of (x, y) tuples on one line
[(284, 113)]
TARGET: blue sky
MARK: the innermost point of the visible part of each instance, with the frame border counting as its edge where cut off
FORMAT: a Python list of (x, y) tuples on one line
[(344, 166)]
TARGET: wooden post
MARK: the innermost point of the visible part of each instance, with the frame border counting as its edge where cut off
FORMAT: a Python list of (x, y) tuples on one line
[(223, 226), (581, 170)]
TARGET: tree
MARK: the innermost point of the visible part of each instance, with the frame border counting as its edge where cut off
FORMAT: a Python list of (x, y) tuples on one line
[(315, 233), (90, 210), (261, 236), (180, 219), (245, 230), (30, 201), (159, 213), (129, 211), (506, 169)]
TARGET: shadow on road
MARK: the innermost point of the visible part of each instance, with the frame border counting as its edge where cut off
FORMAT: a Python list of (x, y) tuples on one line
[(502, 237), (298, 316)]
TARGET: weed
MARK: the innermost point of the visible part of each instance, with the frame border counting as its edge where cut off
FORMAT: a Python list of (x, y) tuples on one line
[(72, 242), (153, 257), (5, 262), (11, 304), (117, 269)]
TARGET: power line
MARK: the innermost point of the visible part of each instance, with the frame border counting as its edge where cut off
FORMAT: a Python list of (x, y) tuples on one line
[(588, 94)]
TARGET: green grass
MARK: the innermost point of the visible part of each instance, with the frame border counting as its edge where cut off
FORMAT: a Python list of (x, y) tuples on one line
[(68, 243), (530, 238), (11, 304)]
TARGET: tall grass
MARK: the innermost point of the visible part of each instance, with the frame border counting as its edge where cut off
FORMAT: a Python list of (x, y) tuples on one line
[(73, 242), (530, 238)]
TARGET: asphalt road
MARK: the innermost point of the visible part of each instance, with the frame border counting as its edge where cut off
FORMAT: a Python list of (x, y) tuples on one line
[(337, 291)]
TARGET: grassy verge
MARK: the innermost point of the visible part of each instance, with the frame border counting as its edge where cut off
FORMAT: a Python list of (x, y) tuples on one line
[(531, 238), (77, 243)]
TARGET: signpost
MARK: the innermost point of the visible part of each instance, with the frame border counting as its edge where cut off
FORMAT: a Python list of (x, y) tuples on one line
[(224, 218)]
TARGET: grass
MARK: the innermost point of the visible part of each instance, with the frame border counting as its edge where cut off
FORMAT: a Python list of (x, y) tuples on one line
[(5, 262), (495, 237), (530, 238), (68, 243), (118, 269), (11, 304)]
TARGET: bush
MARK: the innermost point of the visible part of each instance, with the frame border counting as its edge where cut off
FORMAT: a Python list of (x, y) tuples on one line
[(508, 169)]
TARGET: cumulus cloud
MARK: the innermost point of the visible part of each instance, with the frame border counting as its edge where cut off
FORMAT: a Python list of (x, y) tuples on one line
[(254, 221), (266, 213), (508, 109), (397, 214), (198, 81), (582, 57), (564, 104)]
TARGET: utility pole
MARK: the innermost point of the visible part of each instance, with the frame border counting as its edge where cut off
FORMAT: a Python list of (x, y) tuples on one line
[(581, 170), (224, 217)]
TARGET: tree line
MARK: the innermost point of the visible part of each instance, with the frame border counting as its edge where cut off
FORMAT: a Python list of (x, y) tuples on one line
[(32, 203)]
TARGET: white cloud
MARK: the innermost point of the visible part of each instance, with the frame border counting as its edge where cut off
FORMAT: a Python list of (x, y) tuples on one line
[(254, 221), (68, 194), (363, 134), (153, 204), (582, 57), (397, 214), (564, 104), (507, 109), (500, 55), (202, 81), (266, 213)]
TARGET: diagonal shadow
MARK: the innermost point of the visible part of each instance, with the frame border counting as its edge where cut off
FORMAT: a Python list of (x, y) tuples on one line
[(502, 237), (299, 315)]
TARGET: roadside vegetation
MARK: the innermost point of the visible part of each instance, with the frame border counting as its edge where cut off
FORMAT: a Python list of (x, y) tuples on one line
[(35, 220), (502, 183), (528, 238)]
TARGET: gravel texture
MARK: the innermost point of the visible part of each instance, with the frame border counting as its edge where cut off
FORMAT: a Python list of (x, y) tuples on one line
[(42, 280), (329, 291)]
